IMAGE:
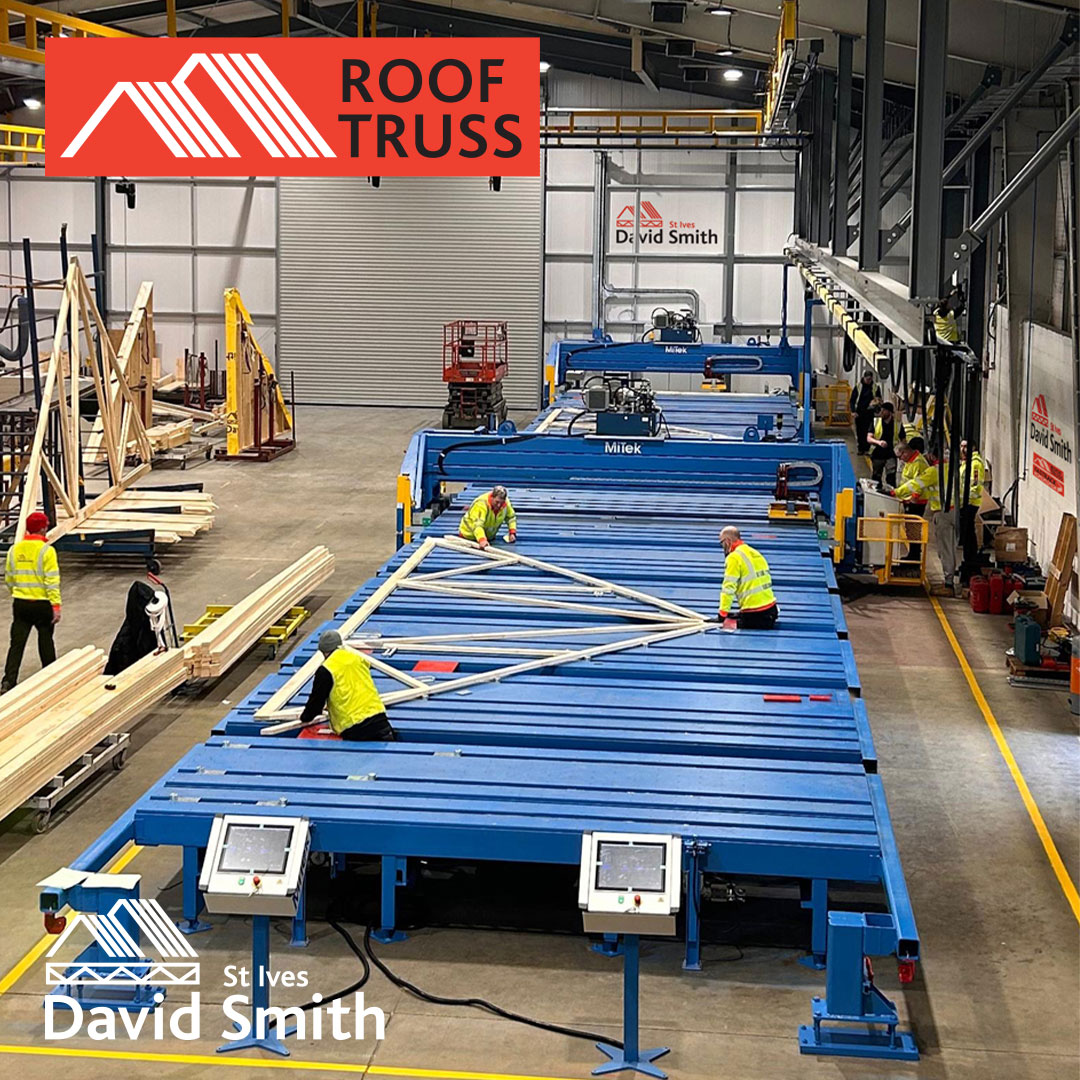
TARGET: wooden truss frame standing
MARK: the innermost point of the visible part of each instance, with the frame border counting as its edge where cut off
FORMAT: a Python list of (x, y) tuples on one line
[(135, 361), (80, 321), (654, 621), (256, 417)]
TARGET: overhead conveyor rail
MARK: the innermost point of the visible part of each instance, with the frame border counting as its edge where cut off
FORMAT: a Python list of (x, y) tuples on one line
[(577, 682)]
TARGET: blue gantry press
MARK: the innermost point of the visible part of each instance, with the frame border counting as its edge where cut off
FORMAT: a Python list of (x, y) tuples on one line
[(754, 747)]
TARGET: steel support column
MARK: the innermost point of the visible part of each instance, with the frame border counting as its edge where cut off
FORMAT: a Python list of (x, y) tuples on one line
[(924, 278), (101, 231), (730, 208), (873, 106), (841, 144), (825, 91), (599, 236)]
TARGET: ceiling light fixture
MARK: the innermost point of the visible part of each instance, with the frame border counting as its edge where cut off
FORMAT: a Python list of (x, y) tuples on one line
[(545, 67), (732, 75), (32, 103), (719, 9)]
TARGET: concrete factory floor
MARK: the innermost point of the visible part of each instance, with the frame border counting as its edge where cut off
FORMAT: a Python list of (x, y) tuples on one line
[(996, 995)]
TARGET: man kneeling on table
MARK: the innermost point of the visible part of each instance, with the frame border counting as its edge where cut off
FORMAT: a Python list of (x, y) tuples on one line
[(747, 581), (343, 687)]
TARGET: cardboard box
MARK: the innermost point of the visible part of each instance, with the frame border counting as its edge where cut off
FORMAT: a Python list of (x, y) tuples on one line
[(1031, 602), (989, 513), (1011, 545)]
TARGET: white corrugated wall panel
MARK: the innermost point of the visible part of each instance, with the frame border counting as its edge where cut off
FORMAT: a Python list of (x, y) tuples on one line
[(368, 276)]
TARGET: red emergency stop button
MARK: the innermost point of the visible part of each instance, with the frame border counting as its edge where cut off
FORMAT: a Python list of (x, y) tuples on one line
[(637, 901), (256, 881)]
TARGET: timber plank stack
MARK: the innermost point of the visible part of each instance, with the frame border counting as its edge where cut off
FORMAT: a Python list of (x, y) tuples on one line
[(49, 740), (223, 642), (166, 436), (59, 713), (174, 516)]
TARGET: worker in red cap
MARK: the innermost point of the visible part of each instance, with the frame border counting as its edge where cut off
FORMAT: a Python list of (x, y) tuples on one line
[(482, 521), (32, 574)]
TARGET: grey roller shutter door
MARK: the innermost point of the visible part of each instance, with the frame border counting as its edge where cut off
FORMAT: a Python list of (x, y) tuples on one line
[(368, 276)]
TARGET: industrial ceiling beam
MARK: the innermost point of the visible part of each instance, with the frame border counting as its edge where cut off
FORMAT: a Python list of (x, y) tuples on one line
[(842, 144), (928, 155), (873, 108), (975, 234)]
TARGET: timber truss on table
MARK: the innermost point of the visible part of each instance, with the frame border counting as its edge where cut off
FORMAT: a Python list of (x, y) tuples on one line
[(652, 620)]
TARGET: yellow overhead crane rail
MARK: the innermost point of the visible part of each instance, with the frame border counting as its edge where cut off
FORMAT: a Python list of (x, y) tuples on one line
[(20, 145), (39, 24), (576, 125), (826, 291), (777, 90)]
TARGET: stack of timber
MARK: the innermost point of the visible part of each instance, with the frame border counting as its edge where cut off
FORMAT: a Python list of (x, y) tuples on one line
[(174, 516), (224, 641), (166, 436), (74, 713)]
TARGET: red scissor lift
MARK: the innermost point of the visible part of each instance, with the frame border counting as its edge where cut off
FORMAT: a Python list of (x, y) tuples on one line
[(475, 362)]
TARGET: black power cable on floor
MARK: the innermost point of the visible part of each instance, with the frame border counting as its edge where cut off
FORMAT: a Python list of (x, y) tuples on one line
[(472, 1003), (366, 954)]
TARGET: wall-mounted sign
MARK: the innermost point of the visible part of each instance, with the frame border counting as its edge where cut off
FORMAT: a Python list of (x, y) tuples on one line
[(293, 107), (1055, 446)]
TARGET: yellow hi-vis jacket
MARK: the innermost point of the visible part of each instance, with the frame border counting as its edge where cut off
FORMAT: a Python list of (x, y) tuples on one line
[(975, 494), (480, 520), (919, 482), (31, 571), (946, 328), (747, 580), (354, 698)]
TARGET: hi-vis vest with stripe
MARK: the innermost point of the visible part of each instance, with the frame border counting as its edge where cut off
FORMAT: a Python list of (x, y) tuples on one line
[(480, 520), (354, 698), (31, 571), (746, 580), (919, 482)]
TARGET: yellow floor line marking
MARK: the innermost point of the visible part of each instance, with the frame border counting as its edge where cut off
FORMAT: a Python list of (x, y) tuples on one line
[(267, 1063), (35, 954), (1068, 887)]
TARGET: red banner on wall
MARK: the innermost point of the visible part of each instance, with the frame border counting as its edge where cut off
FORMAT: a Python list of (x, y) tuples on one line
[(293, 107), (1048, 473)]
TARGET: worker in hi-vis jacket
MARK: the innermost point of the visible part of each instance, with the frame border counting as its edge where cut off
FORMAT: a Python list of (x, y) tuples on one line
[(747, 581), (482, 521)]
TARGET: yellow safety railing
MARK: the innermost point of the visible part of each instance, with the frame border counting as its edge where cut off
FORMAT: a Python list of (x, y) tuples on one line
[(37, 25), (631, 123), (895, 531), (832, 404), (21, 145)]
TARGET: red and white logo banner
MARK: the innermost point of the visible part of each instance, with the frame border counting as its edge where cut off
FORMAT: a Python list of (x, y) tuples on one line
[(293, 107)]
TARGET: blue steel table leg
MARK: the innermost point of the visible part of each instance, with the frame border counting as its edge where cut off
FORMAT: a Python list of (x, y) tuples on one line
[(610, 946), (819, 907), (692, 960), (630, 1057), (393, 874), (299, 939), (193, 901), (260, 994)]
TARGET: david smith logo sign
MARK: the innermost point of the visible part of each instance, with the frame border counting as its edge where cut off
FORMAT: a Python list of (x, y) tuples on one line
[(1046, 434), (293, 107), (651, 230)]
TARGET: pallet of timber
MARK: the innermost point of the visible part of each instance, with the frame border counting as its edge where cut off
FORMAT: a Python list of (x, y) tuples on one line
[(226, 639), (46, 687), (186, 502), (166, 436), (46, 742)]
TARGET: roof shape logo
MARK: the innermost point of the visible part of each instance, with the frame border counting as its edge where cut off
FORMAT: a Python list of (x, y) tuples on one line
[(186, 127)]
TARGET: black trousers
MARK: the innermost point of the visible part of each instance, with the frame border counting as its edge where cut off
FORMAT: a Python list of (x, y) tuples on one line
[(970, 545), (863, 423), (884, 465), (374, 729), (759, 620), (25, 616)]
